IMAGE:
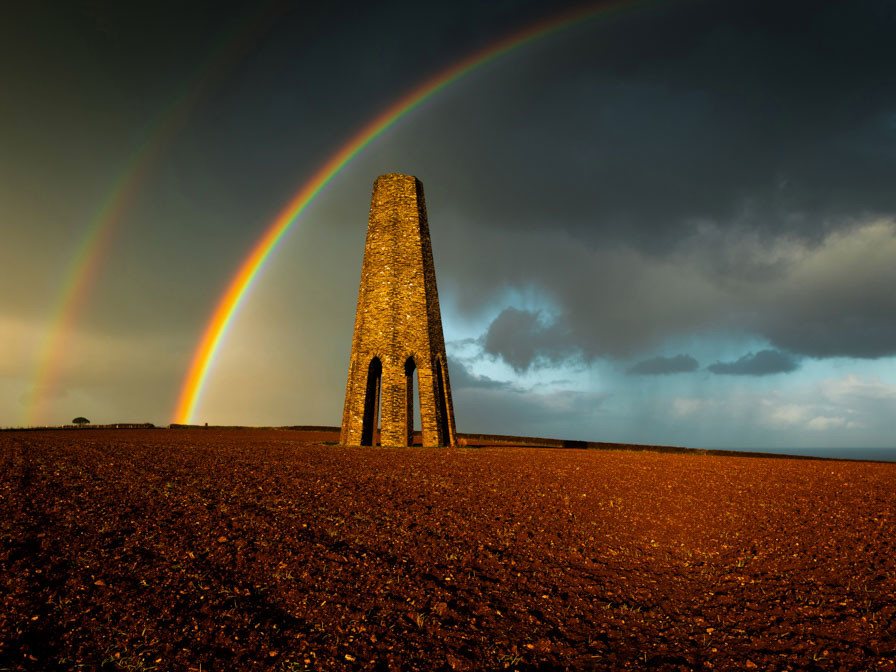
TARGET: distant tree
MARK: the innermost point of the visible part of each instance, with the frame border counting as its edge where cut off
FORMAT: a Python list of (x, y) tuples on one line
[(80, 421)]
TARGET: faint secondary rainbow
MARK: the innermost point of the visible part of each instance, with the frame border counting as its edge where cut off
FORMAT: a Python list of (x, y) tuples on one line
[(83, 268), (229, 303), (100, 231)]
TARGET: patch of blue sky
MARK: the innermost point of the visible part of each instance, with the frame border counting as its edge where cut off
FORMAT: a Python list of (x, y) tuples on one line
[(818, 370)]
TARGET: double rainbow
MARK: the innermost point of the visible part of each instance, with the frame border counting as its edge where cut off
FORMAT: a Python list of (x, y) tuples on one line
[(228, 305)]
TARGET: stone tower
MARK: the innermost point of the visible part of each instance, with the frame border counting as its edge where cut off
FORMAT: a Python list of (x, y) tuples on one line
[(398, 328)]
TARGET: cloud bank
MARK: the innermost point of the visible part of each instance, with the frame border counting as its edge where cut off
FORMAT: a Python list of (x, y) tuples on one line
[(762, 363)]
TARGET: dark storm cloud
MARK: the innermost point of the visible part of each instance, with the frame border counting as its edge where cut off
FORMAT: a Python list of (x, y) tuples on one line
[(613, 303), (668, 165), (839, 301), (522, 338), (814, 301), (766, 116), (657, 366), (860, 335), (762, 363), (462, 378)]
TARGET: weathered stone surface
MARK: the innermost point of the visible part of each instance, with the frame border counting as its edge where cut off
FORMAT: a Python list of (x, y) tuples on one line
[(398, 327)]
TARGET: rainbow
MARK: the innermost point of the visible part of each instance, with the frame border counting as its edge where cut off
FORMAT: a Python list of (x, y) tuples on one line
[(83, 269), (230, 301), (81, 274)]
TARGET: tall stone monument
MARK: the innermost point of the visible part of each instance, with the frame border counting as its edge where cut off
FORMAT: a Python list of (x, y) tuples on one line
[(398, 328)]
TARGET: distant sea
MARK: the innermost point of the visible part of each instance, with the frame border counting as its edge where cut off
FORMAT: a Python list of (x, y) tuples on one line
[(878, 454)]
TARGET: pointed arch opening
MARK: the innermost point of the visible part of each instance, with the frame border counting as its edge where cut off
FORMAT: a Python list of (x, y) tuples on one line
[(411, 384), (370, 429), (442, 405)]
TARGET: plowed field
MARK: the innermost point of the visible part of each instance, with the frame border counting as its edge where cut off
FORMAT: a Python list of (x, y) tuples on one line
[(262, 550)]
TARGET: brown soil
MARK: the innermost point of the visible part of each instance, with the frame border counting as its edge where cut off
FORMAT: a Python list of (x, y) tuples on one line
[(258, 550)]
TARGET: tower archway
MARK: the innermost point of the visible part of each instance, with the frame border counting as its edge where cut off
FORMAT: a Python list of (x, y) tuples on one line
[(370, 430), (410, 371)]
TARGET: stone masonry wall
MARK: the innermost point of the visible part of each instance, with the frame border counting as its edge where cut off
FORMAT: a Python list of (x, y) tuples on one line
[(398, 319)]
